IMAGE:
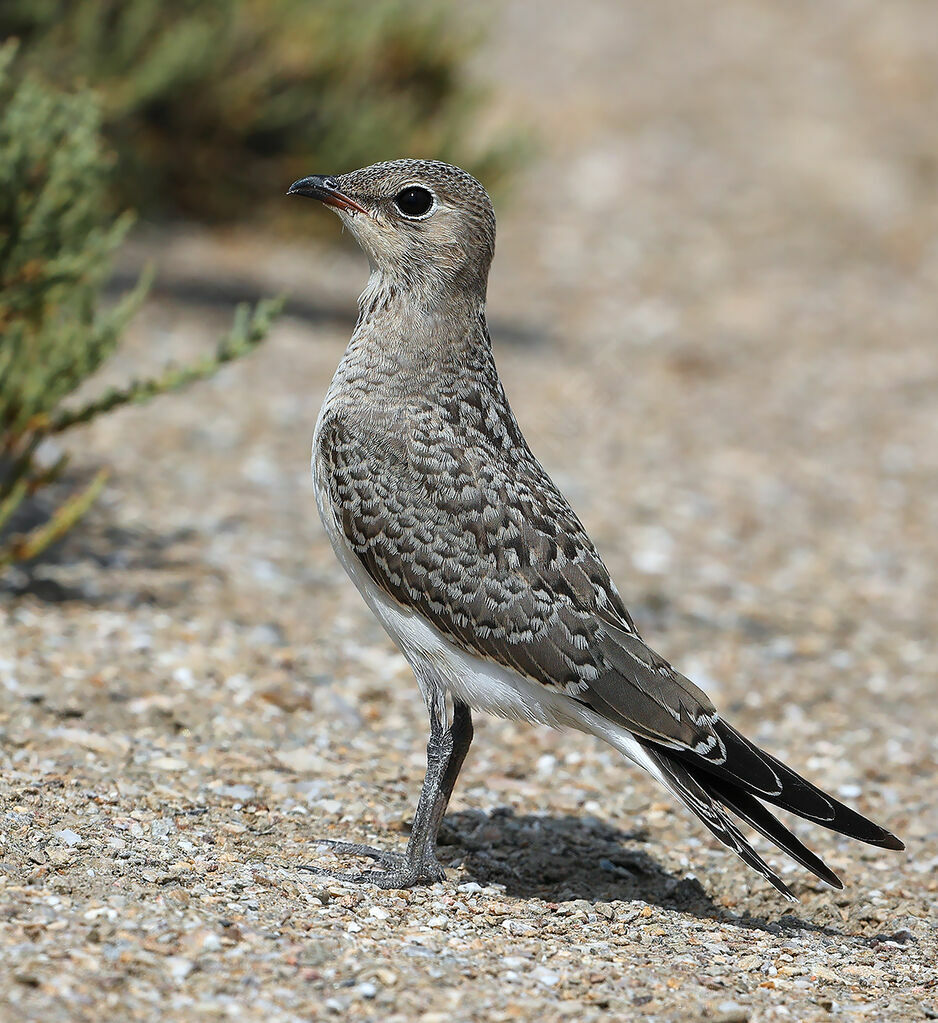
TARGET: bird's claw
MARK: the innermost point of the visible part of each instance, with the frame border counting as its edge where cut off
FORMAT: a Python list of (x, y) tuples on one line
[(399, 872), (382, 856)]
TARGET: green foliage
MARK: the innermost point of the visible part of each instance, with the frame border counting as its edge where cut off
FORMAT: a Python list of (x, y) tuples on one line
[(56, 241), (215, 106), (55, 246)]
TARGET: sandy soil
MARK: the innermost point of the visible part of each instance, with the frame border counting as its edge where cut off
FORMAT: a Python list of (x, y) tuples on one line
[(715, 308)]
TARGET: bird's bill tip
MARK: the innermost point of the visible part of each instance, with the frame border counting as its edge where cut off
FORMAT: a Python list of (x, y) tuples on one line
[(312, 185), (326, 189)]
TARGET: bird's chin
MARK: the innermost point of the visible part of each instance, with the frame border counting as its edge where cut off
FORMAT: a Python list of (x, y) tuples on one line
[(370, 233)]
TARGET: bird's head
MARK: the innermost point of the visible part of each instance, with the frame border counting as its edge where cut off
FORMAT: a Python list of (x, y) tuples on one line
[(422, 223)]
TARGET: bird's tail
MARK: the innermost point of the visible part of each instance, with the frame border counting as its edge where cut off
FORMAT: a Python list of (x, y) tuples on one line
[(746, 776)]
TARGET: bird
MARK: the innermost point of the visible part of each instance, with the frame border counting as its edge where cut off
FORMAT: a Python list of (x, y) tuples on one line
[(474, 562)]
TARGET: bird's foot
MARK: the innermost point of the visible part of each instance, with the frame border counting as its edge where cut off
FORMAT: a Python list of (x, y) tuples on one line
[(399, 870)]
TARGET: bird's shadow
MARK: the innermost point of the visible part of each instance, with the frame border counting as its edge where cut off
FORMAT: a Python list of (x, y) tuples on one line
[(564, 858), (561, 859)]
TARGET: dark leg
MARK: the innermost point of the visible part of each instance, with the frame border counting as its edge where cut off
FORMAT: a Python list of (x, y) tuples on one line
[(446, 751), (434, 800)]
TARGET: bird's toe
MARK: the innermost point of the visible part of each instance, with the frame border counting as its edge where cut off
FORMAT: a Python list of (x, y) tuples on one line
[(400, 871), (371, 852)]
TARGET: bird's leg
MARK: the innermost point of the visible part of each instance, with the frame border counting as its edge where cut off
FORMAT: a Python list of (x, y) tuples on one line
[(435, 795), (446, 751)]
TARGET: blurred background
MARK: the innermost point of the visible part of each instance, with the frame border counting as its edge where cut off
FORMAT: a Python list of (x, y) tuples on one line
[(714, 305)]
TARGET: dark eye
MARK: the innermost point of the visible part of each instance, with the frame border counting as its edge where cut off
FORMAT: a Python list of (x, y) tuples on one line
[(414, 201)]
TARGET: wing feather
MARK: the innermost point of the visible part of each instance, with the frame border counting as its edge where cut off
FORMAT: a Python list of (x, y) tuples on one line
[(502, 566)]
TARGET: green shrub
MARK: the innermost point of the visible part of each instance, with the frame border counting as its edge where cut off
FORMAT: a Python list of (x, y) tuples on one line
[(215, 106), (55, 245)]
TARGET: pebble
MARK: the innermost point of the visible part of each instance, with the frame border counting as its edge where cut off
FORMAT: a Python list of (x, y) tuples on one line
[(179, 967), (731, 1012), (241, 792)]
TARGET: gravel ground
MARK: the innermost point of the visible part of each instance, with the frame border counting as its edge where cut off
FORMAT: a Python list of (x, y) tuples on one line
[(718, 283)]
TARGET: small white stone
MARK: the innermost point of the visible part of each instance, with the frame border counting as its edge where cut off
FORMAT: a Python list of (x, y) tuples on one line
[(545, 976), (69, 837), (242, 792), (653, 550), (184, 677), (518, 927), (163, 827), (516, 962), (179, 967)]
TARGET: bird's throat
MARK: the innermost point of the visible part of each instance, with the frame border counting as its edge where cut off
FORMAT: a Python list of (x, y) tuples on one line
[(429, 329)]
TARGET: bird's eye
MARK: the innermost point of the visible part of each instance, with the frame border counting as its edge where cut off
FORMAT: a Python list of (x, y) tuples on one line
[(414, 201)]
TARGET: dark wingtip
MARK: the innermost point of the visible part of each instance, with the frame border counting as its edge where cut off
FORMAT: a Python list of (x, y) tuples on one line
[(783, 888), (873, 834), (774, 880), (824, 872)]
